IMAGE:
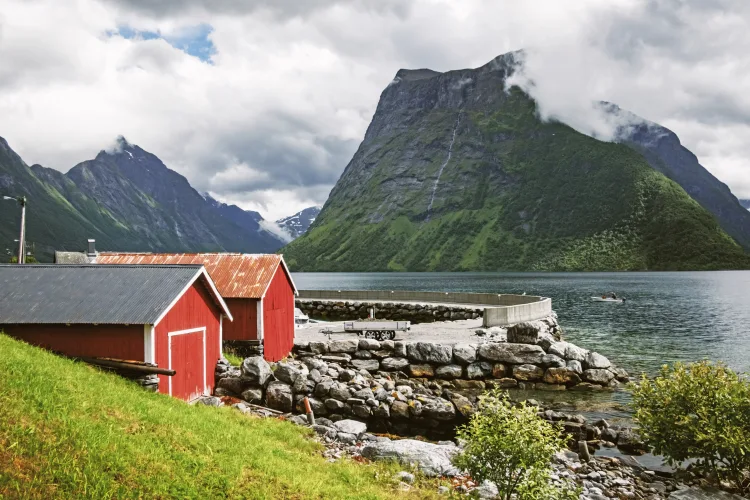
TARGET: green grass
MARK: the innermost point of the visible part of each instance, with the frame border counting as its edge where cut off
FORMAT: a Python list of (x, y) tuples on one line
[(233, 359), (68, 430)]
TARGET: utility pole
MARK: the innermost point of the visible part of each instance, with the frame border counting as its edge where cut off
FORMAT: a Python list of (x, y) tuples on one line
[(22, 239)]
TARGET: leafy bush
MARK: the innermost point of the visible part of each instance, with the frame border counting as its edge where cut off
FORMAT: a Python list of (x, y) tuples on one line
[(513, 448), (700, 411)]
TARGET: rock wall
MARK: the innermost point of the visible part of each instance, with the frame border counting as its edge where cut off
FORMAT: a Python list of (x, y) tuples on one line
[(331, 310), (416, 388)]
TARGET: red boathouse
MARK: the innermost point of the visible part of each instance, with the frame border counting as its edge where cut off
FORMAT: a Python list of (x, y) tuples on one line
[(257, 288), (171, 316)]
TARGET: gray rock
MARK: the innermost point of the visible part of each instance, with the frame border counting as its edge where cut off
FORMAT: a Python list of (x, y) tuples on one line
[(382, 411), (449, 371), (487, 490), (363, 355), (323, 388), (479, 370), (257, 371), (317, 406), (427, 352), (598, 376), (432, 459), (399, 409), (594, 360), (318, 347), (517, 354), (345, 437), (279, 396), (349, 426), (439, 409), (523, 333), (315, 375), (290, 372), (362, 411), (343, 346), (574, 352), (551, 360), (464, 354), (462, 404), (405, 477), (702, 494), (369, 344), (565, 376), (575, 366), (233, 385), (364, 394), (506, 383), (315, 363), (254, 396), (630, 442), (371, 365), (620, 374), (340, 391), (210, 401), (334, 405), (527, 372), (325, 431), (393, 364)]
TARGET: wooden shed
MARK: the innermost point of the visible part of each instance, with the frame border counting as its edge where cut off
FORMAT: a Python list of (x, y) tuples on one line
[(258, 289), (171, 316)]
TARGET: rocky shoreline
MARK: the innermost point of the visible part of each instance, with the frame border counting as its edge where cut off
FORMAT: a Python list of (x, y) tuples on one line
[(336, 310)]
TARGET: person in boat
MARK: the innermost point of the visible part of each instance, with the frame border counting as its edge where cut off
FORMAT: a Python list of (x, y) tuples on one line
[(614, 295)]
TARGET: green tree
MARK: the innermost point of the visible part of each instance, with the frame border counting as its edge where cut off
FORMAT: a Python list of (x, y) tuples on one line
[(699, 411), (512, 447)]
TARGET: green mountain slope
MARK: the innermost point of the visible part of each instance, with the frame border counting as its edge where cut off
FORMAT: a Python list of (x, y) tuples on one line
[(68, 430), (127, 200), (455, 173)]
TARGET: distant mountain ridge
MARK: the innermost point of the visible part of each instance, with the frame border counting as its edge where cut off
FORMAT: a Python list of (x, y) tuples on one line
[(298, 224), (127, 199), (458, 173), (745, 203)]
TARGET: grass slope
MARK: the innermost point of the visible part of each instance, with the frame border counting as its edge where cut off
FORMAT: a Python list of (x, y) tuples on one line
[(518, 194), (68, 430)]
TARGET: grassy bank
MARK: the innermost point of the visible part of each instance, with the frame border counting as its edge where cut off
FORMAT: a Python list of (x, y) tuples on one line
[(68, 430)]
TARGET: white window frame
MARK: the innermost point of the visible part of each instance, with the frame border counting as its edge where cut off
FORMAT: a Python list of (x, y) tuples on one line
[(186, 332)]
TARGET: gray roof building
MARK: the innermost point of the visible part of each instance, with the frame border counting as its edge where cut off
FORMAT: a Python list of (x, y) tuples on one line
[(86, 294)]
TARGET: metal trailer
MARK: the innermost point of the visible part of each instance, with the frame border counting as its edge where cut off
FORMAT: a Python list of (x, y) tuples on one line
[(380, 330)]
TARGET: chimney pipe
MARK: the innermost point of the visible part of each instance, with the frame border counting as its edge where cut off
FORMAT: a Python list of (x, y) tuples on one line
[(92, 248)]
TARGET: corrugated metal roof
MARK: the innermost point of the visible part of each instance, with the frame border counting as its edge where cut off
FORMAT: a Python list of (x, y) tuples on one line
[(84, 294), (236, 275)]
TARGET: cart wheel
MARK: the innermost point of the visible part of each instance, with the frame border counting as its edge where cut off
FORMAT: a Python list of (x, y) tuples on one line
[(392, 334), (380, 336), (368, 334)]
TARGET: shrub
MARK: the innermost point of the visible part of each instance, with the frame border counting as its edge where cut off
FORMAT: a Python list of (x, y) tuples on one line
[(513, 448), (700, 411)]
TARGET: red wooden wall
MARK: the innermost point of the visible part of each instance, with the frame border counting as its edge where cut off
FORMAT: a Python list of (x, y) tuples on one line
[(195, 309), (245, 324), (278, 317), (108, 341)]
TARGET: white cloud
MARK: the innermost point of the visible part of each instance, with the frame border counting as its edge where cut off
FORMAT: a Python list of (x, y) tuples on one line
[(272, 122)]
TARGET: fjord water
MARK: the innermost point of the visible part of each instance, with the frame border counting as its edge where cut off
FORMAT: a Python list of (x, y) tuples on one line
[(667, 317)]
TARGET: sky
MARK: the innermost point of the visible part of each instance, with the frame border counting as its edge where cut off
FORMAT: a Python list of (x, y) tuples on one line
[(263, 103)]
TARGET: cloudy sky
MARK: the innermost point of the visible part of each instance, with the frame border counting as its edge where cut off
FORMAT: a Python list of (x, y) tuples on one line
[(263, 102)]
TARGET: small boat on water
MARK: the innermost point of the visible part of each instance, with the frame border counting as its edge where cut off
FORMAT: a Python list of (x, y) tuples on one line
[(607, 299), (300, 319)]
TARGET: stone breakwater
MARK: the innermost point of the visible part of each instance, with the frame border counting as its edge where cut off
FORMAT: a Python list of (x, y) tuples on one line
[(421, 388), (332, 310)]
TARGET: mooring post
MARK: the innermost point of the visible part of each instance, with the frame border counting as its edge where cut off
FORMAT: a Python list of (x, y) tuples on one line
[(308, 410)]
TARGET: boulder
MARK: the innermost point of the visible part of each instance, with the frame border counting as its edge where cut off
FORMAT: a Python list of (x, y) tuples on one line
[(318, 347), (399, 348), (527, 372), (371, 365), (361, 411), (254, 396), (575, 366), (351, 427), (479, 370), (363, 355), (464, 354), (432, 459), (630, 442), (594, 360), (449, 371), (462, 404), (506, 383), (439, 409), (364, 394), (343, 346), (574, 352), (393, 364), (334, 405), (551, 360), (421, 371), (523, 333), (368, 345), (209, 401), (499, 370), (317, 406), (695, 493), (555, 375), (427, 352), (620, 374), (233, 385), (598, 376), (256, 371), (516, 354), (290, 372), (279, 396), (340, 391), (323, 388), (399, 409)]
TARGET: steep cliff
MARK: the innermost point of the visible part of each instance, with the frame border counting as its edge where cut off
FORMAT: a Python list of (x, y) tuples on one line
[(457, 173)]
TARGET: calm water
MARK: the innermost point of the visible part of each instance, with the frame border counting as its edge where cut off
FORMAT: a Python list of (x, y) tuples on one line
[(667, 316)]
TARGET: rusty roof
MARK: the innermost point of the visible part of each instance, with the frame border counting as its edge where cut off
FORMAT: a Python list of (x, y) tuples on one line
[(236, 275)]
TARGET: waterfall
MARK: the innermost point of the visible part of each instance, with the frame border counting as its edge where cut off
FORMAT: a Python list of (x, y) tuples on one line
[(442, 167)]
